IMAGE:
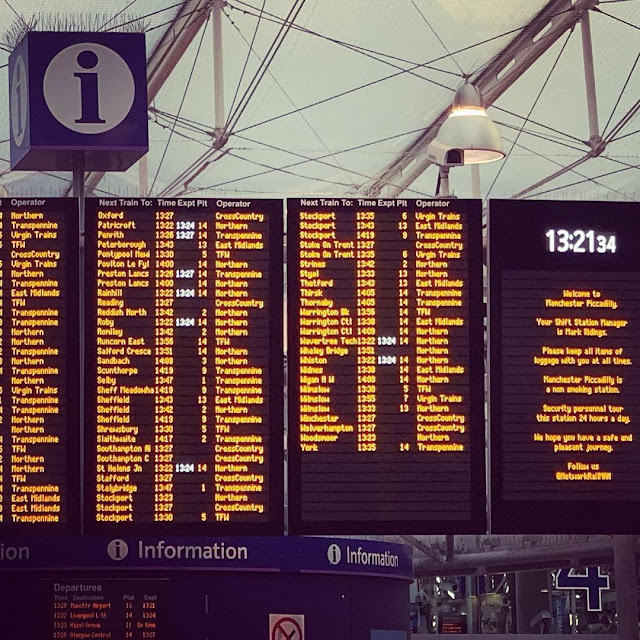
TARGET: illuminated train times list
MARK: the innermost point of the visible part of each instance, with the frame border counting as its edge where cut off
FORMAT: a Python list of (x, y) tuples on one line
[(385, 365), (82, 609), (38, 363), (185, 360), (565, 366)]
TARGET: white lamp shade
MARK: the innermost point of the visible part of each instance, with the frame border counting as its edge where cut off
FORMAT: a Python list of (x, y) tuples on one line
[(471, 130)]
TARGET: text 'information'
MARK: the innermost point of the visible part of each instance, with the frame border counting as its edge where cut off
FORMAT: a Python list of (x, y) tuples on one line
[(184, 362), (385, 366)]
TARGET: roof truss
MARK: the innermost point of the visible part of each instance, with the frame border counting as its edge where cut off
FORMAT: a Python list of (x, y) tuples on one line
[(554, 19)]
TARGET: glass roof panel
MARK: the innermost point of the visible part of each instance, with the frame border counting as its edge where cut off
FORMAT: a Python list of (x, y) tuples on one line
[(352, 84)]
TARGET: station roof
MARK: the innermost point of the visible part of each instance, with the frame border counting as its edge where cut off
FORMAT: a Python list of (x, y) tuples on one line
[(350, 86)]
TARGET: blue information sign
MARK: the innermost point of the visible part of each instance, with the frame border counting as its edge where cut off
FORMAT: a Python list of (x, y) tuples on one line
[(285, 554), (72, 92)]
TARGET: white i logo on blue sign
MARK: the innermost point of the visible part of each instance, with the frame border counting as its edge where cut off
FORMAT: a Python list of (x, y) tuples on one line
[(117, 550), (19, 101), (89, 88), (334, 554)]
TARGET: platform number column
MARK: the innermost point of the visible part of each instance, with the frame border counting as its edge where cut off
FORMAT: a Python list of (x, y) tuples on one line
[(403, 319), (203, 292)]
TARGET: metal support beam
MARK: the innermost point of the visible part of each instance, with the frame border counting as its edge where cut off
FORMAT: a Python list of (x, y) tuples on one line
[(143, 176), (590, 80), (595, 151), (623, 122), (476, 191), (78, 187), (443, 190), (493, 80), (450, 546), (218, 69), (421, 546), (174, 42), (574, 554), (626, 590), (554, 175)]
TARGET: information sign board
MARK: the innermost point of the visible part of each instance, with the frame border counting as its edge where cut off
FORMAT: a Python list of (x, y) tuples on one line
[(564, 366), (184, 383), (385, 356)]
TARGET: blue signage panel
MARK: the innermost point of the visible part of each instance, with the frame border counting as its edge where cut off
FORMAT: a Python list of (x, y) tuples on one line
[(72, 92), (591, 581), (348, 555), (288, 555), (19, 113)]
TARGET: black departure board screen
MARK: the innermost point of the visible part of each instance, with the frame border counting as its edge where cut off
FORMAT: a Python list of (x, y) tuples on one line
[(125, 609), (565, 366), (39, 421), (385, 353), (184, 383)]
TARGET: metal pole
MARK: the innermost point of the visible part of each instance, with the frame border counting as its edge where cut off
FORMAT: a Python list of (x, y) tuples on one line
[(143, 176), (626, 591), (553, 176), (79, 192), (444, 182), (590, 78), (475, 181), (450, 546), (471, 601), (218, 69), (574, 616)]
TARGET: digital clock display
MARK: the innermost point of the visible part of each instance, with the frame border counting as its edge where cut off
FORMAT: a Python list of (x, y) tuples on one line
[(564, 331), (581, 241)]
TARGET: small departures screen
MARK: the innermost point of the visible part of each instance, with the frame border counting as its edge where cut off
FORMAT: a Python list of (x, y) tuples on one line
[(39, 394), (564, 366), (385, 351), (126, 609), (184, 413)]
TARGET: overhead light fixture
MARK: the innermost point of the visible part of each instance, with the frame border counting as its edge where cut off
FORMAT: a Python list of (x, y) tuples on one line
[(467, 136), (469, 129)]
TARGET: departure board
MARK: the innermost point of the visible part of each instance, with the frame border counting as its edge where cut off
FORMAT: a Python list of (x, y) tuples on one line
[(385, 349), (565, 367), (123, 609), (184, 383), (39, 419)]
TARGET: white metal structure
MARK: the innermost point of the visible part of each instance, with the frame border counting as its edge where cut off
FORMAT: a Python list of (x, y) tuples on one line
[(333, 97)]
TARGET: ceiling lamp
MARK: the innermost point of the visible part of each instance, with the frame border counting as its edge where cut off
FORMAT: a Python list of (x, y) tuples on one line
[(468, 135)]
